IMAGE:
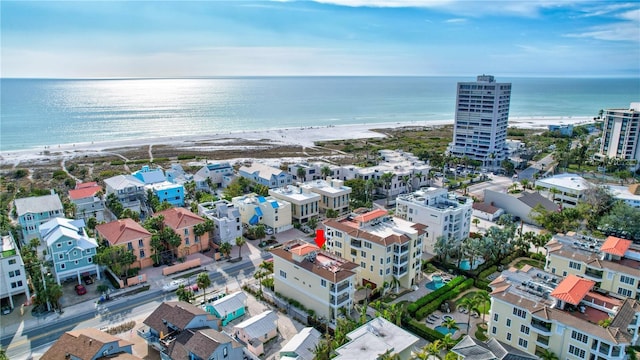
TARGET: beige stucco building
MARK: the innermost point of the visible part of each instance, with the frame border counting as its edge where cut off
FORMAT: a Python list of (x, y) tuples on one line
[(304, 202), (269, 211)]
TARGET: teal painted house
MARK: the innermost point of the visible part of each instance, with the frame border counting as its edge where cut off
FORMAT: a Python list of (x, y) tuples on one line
[(70, 249), (36, 210), (229, 307), (155, 180)]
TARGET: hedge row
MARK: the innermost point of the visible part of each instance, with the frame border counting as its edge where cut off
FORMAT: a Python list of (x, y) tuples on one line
[(434, 294), (423, 331), (435, 304), (490, 270)]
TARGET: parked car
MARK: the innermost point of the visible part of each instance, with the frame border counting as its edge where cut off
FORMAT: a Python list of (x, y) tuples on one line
[(80, 289), (269, 231), (6, 310), (88, 280), (173, 285)]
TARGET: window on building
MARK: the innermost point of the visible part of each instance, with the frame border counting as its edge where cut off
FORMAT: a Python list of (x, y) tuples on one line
[(380, 272), (494, 330), (574, 350), (283, 274), (388, 271), (323, 282), (625, 292), (524, 329), (90, 259), (62, 266), (627, 280), (583, 338), (140, 243), (363, 265), (367, 245), (575, 265), (509, 322), (12, 261), (508, 336), (11, 274), (142, 255), (363, 253), (495, 317), (522, 342)]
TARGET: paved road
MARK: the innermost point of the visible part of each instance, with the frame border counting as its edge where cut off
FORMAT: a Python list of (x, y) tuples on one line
[(535, 168), (51, 327)]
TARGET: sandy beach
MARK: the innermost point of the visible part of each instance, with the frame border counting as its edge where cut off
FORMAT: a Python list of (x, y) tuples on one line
[(305, 137)]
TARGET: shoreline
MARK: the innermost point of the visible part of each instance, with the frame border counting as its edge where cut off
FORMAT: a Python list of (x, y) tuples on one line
[(300, 136)]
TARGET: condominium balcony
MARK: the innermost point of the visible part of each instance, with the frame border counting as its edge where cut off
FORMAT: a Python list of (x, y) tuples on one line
[(400, 250), (595, 275), (339, 300), (543, 340), (400, 260), (400, 271), (541, 327), (340, 288), (356, 243)]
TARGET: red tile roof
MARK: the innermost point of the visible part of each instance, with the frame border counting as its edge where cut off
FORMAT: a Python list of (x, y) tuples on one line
[(304, 249), (122, 231), (371, 215), (178, 218), (572, 289), (84, 190), (616, 246)]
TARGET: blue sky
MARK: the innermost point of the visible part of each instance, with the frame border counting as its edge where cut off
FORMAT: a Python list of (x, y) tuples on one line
[(89, 39)]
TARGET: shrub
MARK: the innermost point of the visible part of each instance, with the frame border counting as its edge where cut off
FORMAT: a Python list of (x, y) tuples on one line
[(537, 256), (435, 294), (423, 331), (121, 328), (186, 157), (435, 304)]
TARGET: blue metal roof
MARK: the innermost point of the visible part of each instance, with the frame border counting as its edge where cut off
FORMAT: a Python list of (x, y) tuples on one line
[(274, 204), (258, 211), (254, 220), (261, 199)]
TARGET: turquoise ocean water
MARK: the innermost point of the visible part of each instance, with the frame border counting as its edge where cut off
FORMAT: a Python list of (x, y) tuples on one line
[(38, 112)]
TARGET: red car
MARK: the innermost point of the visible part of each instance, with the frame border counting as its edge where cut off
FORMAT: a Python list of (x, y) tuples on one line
[(80, 289)]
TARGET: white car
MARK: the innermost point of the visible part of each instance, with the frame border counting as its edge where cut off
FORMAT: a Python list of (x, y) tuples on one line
[(269, 231), (173, 285)]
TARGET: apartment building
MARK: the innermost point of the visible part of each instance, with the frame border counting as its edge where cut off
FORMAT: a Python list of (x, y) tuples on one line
[(334, 194), (322, 281), (13, 275), (183, 221), (387, 248), (444, 213), (481, 117), (269, 211), (36, 210), (268, 176), (375, 338), (128, 190), (534, 311), (226, 220), (304, 202), (621, 133), (129, 234), (613, 264), (88, 201), (564, 189), (212, 175)]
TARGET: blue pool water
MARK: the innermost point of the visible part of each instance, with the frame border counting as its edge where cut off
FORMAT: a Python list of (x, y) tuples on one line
[(436, 283), (465, 265), (444, 331)]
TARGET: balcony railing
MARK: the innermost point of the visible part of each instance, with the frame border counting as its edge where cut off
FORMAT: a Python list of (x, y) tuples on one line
[(399, 250), (400, 260), (339, 300), (541, 326), (543, 340), (593, 274), (356, 243), (399, 271), (340, 288)]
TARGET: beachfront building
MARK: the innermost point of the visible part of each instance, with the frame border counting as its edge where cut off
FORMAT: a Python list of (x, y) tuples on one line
[(268, 176), (70, 249), (226, 220), (614, 264), (628, 194), (387, 248), (481, 117), (520, 205), (375, 338), (564, 189), (304, 202), (563, 130), (444, 213), (317, 170), (34, 211), (13, 275), (322, 281), (534, 311), (257, 331), (155, 180), (176, 175), (128, 190), (212, 175), (269, 211), (301, 345), (129, 234), (334, 194), (621, 134), (183, 221), (88, 201), (90, 343)]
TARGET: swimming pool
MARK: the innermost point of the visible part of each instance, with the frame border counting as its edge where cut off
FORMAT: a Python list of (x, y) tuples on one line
[(435, 283), (444, 331)]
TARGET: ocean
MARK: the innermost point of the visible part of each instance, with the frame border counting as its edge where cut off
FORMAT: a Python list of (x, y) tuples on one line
[(39, 112)]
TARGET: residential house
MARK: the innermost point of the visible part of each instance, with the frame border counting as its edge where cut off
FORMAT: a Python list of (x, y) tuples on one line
[(229, 308), (535, 311), (563, 129), (520, 204), (150, 176), (131, 235), (486, 211), (257, 330), (269, 211), (226, 220), (177, 175), (322, 281), (387, 248), (70, 249), (213, 173), (203, 344), (304, 202), (268, 176), (128, 190), (313, 170), (334, 194), (155, 180), (564, 189), (373, 339), (301, 345), (13, 275), (88, 201), (182, 221), (444, 213), (472, 349), (90, 344), (34, 211), (614, 264), (170, 319)]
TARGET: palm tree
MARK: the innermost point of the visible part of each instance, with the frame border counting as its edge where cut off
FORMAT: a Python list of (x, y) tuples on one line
[(548, 355), (395, 282), (302, 174), (450, 323), (386, 180), (325, 171), (204, 281), (470, 304), (225, 249), (434, 349), (240, 241), (448, 342), (475, 222), (418, 176), (406, 181), (185, 294), (389, 355), (482, 297)]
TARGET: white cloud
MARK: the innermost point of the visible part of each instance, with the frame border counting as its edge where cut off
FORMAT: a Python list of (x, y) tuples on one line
[(456, 20), (626, 30)]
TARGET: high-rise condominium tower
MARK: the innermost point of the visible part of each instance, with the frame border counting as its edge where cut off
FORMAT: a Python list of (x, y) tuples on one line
[(482, 113), (621, 134)]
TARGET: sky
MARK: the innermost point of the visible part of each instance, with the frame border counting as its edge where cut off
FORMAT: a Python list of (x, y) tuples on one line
[(105, 39)]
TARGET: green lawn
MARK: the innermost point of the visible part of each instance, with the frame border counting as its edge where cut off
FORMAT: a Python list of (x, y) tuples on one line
[(535, 263), (483, 308)]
